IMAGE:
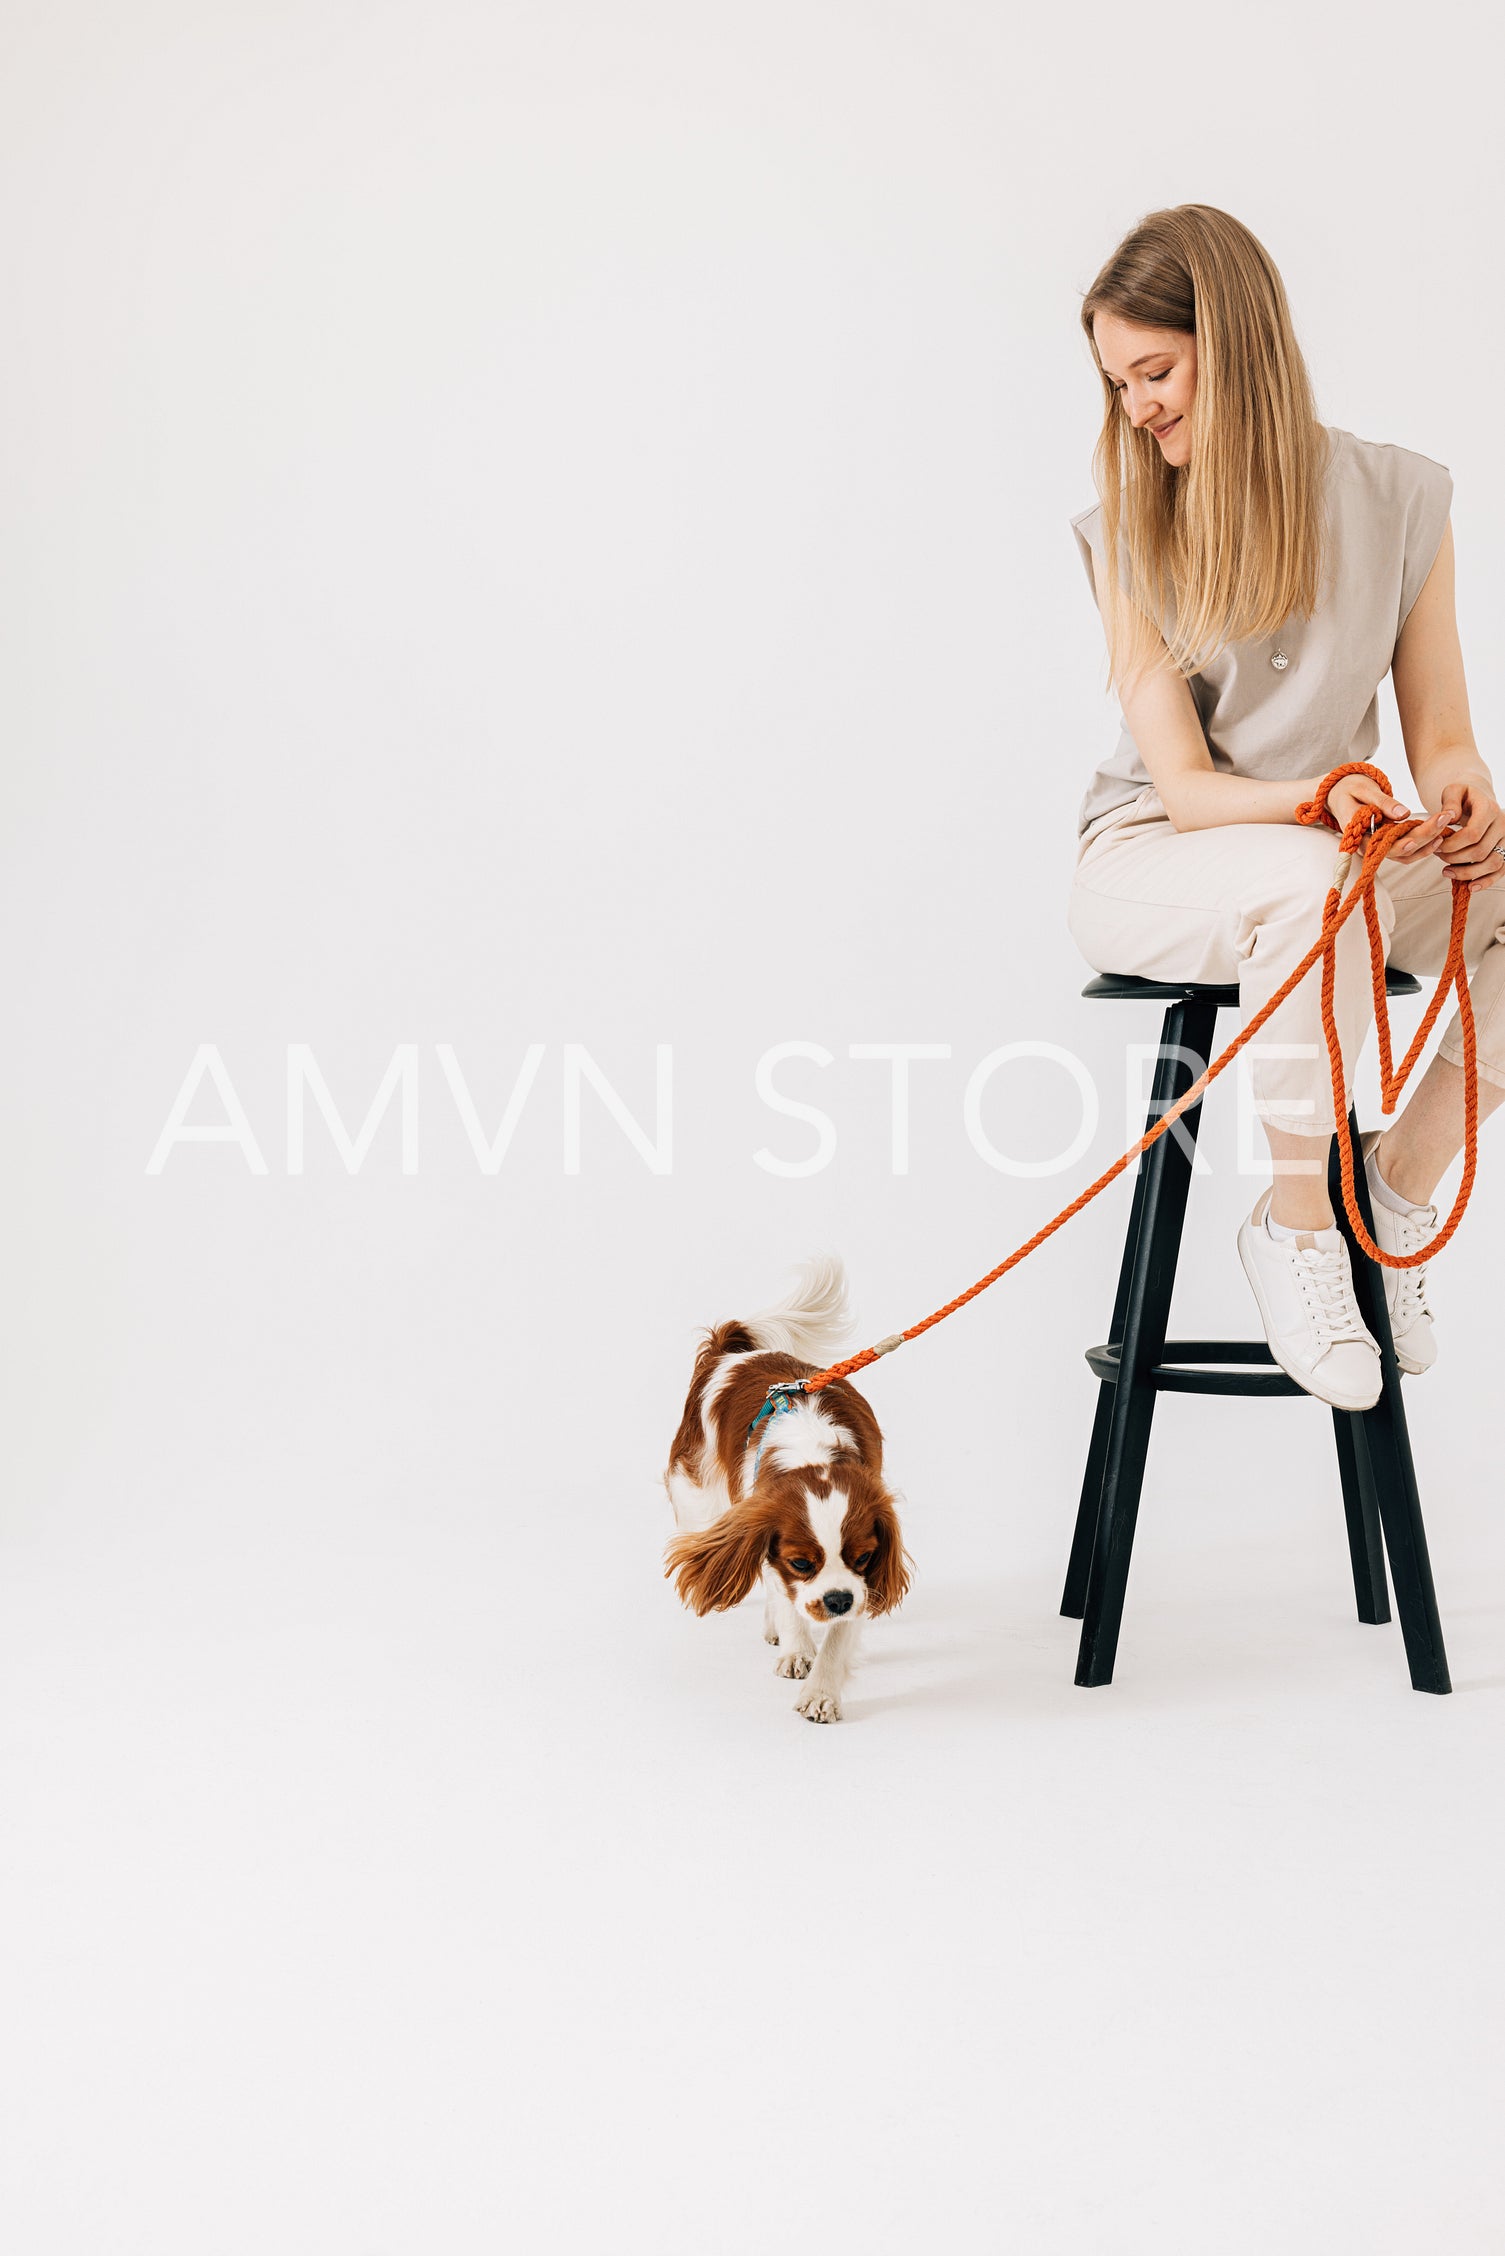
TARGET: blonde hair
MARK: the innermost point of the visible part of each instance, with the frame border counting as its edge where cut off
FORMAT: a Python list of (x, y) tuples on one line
[(1226, 547)]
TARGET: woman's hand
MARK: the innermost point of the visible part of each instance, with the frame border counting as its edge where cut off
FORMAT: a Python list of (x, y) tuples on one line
[(1465, 832), (1351, 792)]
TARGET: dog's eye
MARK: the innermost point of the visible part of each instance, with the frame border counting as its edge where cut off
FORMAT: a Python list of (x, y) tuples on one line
[(865, 1562), (803, 1566)]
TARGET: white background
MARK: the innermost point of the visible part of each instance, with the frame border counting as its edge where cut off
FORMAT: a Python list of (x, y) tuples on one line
[(548, 524)]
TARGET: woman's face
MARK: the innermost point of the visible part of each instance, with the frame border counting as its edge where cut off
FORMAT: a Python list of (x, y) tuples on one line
[(1155, 372)]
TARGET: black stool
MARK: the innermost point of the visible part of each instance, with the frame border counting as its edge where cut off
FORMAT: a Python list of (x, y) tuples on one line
[(1137, 1363)]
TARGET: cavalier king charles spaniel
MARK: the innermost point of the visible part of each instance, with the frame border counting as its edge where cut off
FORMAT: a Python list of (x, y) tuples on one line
[(788, 1487)]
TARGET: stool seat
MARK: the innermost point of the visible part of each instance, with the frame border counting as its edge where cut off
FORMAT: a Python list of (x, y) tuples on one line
[(1138, 1363), (1124, 987)]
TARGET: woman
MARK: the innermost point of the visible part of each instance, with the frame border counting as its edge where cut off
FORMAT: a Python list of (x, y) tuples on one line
[(1271, 570)]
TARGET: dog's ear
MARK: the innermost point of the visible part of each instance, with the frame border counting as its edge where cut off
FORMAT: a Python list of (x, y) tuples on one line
[(887, 1578), (717, 1566)]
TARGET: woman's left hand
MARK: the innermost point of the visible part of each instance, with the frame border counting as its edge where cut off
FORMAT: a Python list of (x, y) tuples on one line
[(1478, 820)]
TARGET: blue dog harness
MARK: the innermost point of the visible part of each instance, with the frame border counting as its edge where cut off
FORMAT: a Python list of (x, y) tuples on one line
[(778, 1401)]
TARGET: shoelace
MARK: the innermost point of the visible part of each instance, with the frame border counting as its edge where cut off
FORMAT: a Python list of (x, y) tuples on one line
[(1335, 1312), (1413, 1230)]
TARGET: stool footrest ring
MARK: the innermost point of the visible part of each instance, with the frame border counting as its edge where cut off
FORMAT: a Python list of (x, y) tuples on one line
[(1170, 1375)]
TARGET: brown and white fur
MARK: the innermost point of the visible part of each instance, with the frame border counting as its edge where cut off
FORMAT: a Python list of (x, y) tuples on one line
[(818, 1523)]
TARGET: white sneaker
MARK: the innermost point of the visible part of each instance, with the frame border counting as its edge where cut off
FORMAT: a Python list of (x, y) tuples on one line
[(1405, 1289), (1304, 1288)]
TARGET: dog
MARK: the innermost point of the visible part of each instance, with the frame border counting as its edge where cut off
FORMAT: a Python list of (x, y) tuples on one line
[(796, 1496)]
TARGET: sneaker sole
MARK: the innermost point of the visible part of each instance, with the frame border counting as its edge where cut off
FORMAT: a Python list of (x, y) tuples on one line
[(1303, 1379)]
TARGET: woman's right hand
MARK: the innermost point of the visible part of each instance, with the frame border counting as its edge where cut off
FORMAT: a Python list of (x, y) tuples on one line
[(1352, 792)]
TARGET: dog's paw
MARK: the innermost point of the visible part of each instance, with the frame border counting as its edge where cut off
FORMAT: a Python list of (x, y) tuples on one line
[(793, 1664), (819, 1707), (770, 1634)]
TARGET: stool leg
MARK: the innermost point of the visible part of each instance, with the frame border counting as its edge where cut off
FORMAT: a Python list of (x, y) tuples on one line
[(1074, 1597), (1362, 1512), (1167, 1178), (1387, 1446)]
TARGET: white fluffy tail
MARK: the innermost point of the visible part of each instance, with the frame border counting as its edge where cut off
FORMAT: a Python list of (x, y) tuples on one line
[(814, 1322)]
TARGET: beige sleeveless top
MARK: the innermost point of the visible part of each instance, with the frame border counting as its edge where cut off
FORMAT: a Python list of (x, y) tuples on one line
[(1387, 512)]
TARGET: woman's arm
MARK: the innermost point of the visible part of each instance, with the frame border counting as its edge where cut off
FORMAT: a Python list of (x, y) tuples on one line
[(1431, 698), (1166, 727), (1431, 695)]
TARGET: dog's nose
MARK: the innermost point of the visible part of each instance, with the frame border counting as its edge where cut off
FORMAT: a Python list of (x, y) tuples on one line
[(837, 1601)]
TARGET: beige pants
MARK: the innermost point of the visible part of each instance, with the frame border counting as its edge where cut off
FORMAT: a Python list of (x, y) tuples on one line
[(1242, 903)]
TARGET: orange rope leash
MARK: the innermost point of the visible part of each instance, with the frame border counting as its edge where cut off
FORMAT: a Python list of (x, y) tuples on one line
[(1375, 843)]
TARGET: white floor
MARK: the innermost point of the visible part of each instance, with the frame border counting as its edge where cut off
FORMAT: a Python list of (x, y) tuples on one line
[(451, 1890)]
